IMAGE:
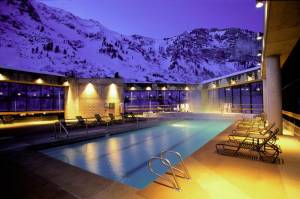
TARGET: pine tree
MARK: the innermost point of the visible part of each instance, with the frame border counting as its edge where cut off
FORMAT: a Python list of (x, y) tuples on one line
[(49, 46), (57, 50)]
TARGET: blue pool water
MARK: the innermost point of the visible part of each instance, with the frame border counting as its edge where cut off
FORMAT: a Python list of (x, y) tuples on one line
[(124, 157)]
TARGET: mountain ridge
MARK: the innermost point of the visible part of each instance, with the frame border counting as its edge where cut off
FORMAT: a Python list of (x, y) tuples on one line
[(36, 36)]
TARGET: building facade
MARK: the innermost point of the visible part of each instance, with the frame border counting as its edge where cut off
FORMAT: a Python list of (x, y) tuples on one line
[(240, 92)]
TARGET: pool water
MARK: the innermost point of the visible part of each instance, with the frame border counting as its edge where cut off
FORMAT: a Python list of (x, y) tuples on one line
[(124, 157)]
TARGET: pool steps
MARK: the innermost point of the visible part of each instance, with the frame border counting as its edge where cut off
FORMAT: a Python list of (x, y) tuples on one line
[(167, 163)]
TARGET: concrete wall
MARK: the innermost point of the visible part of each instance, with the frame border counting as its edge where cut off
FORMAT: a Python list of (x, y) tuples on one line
[(86, 97)]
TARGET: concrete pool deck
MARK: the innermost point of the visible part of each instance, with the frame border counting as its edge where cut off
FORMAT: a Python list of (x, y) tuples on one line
[(29, 174)]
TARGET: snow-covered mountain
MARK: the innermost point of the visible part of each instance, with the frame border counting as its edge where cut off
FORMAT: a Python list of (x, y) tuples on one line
[(36, 36)]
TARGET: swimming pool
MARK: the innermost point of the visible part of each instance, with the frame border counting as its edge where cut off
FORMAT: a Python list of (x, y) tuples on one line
[(124, 157)]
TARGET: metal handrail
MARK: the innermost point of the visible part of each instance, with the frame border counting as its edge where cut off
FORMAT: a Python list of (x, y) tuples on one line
[(167, 163), (185, 172), (61, 126)]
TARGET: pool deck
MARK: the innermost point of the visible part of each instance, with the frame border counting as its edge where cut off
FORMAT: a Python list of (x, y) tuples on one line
[(29, 174)]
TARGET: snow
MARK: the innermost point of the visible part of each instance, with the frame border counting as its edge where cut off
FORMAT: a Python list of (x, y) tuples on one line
[(93, 50)]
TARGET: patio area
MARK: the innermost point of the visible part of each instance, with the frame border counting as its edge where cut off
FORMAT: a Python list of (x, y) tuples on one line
[(32, 175)]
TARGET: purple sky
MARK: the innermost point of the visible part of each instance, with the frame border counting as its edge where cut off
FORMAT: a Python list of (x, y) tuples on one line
[(165, 18)]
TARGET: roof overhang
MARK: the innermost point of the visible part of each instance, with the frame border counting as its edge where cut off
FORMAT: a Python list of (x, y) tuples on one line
[(282, 29)]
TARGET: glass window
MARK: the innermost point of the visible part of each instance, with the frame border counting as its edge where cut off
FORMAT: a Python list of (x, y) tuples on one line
[(33, 98), (221, 94), (257, 97), (245, 95), (58, 98), (228, 95), (236, 100), (46, 98), (4, 97), (18, 97)]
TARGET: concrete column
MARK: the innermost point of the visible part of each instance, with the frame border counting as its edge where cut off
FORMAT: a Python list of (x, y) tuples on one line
[(265, 96), (274, 98), (72, 100)]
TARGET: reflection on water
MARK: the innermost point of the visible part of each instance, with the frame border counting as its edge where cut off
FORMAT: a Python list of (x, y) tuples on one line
[(115, 159), (91, 153)]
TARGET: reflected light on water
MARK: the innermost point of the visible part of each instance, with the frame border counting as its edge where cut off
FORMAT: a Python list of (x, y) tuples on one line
[(69, 156), (90, 154), (149, 146), (179, 125), (115, 159)]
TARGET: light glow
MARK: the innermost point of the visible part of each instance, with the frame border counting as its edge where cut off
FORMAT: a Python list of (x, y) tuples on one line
[(148, 88), (27, 123), (164, 88), (187, 88), (259, 36), (2, 77), (179, 125), (259, 4), (132, 88), (66, 83), (250, 78), (39, 81), (113, 95), (89, 89)]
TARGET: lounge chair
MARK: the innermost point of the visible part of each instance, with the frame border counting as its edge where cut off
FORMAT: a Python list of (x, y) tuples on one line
[(252, 122), (137, 118), (236, 133), (128, 118), (7, 119), (267, 150), (100, 121), (83, 122), (114, 120)]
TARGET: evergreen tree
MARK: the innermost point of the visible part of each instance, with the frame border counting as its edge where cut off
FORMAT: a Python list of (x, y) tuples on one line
[(57, 50), (49, 46)]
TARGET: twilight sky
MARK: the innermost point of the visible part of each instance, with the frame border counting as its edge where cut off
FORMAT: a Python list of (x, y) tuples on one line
[(165, 18)]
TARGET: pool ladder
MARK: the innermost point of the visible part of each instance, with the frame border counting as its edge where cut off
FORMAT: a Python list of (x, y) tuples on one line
[(167, 163), (62, 129)]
